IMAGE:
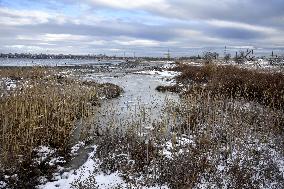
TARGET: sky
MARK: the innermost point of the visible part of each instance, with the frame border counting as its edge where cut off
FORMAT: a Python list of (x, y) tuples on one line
[(146, 27)]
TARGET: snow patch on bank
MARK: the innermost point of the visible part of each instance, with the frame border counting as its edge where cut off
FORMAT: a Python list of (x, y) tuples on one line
[(86, 173), (160, 73), (8, 84), (167, 77), (65, 180)]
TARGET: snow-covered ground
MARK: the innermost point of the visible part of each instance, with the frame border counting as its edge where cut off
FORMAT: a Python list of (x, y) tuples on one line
[(90, 171), (90, 175), (259, 64), (65, 179), (165, 76), (169, 74), (7, 83)]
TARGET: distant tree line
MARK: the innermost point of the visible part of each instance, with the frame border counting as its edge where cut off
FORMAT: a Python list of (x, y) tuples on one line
[(49, 56), (240, 57), (59, 56), (71, 56)]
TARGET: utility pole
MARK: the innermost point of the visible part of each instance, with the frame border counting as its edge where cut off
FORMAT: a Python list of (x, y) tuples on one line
[(168, 55)]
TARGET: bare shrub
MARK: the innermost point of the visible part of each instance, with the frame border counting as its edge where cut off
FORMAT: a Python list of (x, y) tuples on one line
[(209, 57)]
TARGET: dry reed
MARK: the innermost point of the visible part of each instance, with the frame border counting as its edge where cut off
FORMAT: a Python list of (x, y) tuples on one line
[(41, 110)]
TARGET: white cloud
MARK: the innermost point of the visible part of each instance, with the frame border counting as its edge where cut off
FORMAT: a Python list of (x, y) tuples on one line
[(97, 42), (188, 32), (13, 17), (64, 37), (30, 48), (137, 42), (196, 37), (154, 24), (53, 37), (129, 4), (242, 47), (22, 17), (240, 25)]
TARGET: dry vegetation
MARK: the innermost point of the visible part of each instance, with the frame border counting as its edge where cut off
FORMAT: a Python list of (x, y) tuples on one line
[(226, 132), (206, 141), (42, 110), (263, 87)]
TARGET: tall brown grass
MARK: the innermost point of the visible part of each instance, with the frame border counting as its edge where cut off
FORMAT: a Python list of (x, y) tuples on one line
[(41, 115), (223, 132), (235, 137), (42, 110), (46, 108), (19, 73), (264, 87)]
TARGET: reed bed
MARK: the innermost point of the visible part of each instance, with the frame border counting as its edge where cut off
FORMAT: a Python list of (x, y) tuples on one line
[(44, 109), (217, 136), (20, 73), (204, 141), (263, 87), (41, 115)]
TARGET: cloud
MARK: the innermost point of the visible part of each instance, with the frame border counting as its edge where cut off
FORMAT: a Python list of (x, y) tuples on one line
[(128, 4), (242, 26), (214, 9), (144, 26), (22, 17), (138, 42), (13, 17), (48, 37), (28, 48)]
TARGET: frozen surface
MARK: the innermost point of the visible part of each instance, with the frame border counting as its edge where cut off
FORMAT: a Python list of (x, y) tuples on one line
[(140, 102), (52, 62)]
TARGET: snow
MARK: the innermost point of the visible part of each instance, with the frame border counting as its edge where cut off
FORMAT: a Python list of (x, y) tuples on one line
[(259, 64), (180, 142), (165, 76), (65, 180), (2, 184), (75, 148), (8, 83), (169, 65), (88, 170), (109, 181), (192, 63), (43, 152), (170, 74)]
